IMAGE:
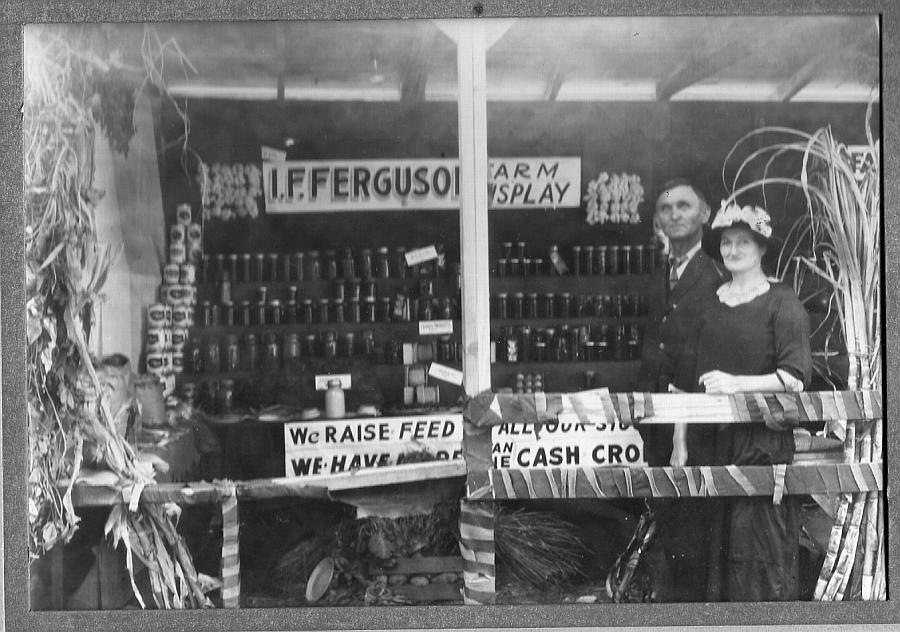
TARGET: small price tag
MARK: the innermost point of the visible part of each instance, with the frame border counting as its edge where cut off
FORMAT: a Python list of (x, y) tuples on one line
[(270, 154), (435, 327), (445, 373), (322, 381), (421, 255)]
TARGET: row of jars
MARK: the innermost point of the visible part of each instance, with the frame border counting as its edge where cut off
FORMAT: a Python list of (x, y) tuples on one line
[(341, 289), (582, 261), (271, 352), (568, 344), (519, 305), (311, 265), (307, 311)]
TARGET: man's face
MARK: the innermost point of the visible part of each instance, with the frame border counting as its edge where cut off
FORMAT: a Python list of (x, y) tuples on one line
[(681, 213)]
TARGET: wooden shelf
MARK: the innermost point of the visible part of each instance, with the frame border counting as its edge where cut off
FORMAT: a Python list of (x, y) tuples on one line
[(571, 322), (410, 328)]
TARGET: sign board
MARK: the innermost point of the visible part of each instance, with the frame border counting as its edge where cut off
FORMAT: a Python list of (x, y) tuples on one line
[(322, 448), (862, 159), (435, 327), (565, 444), (294, 186), (599, 438)]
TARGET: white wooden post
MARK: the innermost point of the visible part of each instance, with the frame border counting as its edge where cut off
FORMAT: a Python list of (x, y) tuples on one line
[(473, 219)]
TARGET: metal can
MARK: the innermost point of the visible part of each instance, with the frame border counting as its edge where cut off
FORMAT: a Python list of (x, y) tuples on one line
[(179, 336), (180, 316), (156, 363), (187, 274), (177, 252), (171, 274), (177, 362), (194, 251), (194, 232), (183, 213), (177, 233), (156, 315), (155, 340)]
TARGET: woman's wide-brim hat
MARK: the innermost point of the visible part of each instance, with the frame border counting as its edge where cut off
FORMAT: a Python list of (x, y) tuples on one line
[(753, 218)]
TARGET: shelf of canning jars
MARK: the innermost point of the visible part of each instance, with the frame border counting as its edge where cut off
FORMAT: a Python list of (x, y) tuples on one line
[(576, 365), (574, 284), (396, 328), (617, 375), (568, 321), (308, 366)]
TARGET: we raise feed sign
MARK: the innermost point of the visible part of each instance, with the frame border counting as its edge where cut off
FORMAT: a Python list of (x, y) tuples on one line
[(415, 184), (324, 448)]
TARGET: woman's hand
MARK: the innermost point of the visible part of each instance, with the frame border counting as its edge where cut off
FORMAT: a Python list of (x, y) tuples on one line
[(679, 454), (720, 382), (679, 446)]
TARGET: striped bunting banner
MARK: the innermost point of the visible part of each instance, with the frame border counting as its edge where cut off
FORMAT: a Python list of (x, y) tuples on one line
[(669, 482), (476, 545), (231, 559)]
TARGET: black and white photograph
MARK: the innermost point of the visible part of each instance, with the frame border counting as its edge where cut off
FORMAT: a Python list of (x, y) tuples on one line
[(497, 320)]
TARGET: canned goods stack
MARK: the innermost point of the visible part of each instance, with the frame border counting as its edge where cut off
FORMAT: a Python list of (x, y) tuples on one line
[(169, 319), (578, 260)]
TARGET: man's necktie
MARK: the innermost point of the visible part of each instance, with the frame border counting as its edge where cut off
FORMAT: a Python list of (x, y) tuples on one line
[(674, 264)]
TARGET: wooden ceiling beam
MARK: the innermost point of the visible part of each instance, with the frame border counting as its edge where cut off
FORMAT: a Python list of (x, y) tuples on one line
[(702, 63)]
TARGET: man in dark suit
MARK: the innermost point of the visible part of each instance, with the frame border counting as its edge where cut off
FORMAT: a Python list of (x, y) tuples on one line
[(688, 280)]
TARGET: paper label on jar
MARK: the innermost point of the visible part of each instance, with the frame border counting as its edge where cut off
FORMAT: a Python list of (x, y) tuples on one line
[(445, 373), (322, 381), (435, 327), (421, 255)]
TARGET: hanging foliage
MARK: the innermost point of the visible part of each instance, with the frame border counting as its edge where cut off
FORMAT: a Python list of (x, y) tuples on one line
[(73, 85)]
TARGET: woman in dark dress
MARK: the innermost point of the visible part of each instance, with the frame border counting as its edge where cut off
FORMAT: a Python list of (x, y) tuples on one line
[(754, 336)]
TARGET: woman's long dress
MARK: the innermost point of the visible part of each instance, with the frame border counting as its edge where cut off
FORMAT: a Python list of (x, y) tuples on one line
[(754, 543)]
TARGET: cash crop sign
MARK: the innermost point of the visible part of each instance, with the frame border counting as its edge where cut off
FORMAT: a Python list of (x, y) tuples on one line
[(397, 184), (565, 444), (323, 448)]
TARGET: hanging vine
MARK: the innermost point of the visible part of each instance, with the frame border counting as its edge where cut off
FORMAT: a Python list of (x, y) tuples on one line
[(75, 82)]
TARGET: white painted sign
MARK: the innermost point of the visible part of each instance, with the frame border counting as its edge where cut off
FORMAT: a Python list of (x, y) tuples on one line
[(324, 447), (534, 183), (445, 373), (293, 186), (599, 439), (323, 380), (421, 255), (435, 327), (270, 154)]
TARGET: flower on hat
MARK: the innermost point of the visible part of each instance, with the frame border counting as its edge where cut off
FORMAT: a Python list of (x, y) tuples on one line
[(753, 216)]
